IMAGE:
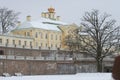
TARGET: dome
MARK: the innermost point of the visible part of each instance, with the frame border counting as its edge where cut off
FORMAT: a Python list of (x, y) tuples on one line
[(51, 10)]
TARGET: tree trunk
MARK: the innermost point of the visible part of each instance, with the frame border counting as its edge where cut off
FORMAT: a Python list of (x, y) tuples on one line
[(3, 30), (99, 65)]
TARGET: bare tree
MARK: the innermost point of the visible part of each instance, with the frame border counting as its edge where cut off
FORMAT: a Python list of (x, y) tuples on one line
[(98, 38), (102, 36), (72, 41), (8, 19)]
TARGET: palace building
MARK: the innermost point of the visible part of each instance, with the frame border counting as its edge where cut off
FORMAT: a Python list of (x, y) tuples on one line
[(38, 47), (46, 33)]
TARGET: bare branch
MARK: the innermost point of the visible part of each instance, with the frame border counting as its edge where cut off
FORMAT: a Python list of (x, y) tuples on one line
[(8, 18)]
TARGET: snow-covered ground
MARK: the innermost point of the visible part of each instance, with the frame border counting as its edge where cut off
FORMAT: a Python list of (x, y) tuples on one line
[(79, 76)]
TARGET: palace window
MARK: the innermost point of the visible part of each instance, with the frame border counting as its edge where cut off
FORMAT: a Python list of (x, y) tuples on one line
[(13, 42), (19, 42), (41, 44), (7, 41), (28, 34), (30, 43), (60, 37), (25, 43), (56, 37), (36, 44), (46, 44), (36, 35), (0, 41), (51, 45), (60, 46), (46, 36), (51, 37), (40, 34), (25, 33), (1, 52), (56, 45)]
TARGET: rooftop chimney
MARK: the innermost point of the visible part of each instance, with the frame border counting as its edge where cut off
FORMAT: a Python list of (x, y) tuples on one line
[(43, 14), (28, 18), (18, 23), (58, 18)]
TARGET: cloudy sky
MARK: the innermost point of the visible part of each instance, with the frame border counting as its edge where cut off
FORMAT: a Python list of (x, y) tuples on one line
[(70, 10)]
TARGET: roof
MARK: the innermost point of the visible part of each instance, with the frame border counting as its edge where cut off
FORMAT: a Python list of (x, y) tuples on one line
[(43, 23)]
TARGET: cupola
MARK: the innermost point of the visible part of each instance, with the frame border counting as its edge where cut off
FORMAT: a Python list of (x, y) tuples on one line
[(51, 10)]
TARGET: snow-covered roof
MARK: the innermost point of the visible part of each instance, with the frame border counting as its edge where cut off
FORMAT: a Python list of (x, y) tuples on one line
[(43, 23)]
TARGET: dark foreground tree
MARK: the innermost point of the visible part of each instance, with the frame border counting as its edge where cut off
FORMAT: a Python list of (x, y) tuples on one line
[(102, 36), (98, 38), (8, 19)]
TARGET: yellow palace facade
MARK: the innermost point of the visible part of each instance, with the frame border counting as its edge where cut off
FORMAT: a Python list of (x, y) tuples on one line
[(46, 33)]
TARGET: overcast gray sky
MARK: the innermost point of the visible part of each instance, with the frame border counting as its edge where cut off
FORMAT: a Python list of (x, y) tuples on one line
[(70, 10)]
